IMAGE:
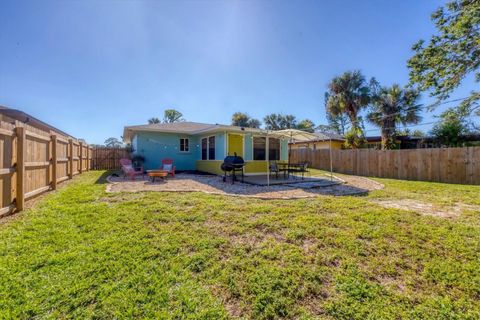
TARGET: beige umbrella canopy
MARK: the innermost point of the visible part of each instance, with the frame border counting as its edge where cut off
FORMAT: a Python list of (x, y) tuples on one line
[(293, 135)]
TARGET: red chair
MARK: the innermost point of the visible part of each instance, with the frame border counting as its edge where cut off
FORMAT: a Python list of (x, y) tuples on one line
[(129, 170), (167, 165)]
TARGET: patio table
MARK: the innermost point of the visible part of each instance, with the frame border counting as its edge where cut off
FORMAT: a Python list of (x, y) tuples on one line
[(157, 174), (292, 167)]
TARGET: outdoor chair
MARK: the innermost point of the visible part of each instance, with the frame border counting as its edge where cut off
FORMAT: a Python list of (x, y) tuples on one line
[(167, 165), (302, 168), (275, 169), (128, 169)]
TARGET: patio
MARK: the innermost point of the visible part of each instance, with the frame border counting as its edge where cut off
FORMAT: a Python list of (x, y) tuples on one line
[(212, 184), (292, 180)]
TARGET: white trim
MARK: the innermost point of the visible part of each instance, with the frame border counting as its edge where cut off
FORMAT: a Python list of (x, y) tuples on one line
[(243, 146)]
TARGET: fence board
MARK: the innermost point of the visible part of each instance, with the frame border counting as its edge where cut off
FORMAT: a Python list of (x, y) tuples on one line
[(106, 158), (450, 165), (28, 156)]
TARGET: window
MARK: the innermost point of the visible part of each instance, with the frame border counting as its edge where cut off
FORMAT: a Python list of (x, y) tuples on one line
[(204, 148), (211, 148), (184, 144), (274, 147), (259, 146), (208, 148)]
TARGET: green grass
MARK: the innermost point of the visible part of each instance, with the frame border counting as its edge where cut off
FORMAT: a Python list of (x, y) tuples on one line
[(82, 253)]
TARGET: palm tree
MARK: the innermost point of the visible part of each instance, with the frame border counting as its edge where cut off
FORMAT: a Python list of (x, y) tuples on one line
[(241, 119), (306, 125), (277, 121), (392, 106), (172, 115), (349, 94), (153, 120)]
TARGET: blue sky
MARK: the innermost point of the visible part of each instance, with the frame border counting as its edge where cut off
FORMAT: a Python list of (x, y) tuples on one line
[(91, 67)]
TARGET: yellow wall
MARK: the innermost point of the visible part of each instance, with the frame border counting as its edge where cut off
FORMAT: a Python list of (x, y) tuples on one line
[(318, 145), (255, 166), (210, 166), (235, 144)]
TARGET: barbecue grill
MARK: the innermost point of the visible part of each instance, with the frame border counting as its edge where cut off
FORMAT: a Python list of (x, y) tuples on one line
[(232, 165)]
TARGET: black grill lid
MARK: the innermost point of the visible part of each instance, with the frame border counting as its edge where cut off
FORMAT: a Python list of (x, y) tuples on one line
[(234, 160)]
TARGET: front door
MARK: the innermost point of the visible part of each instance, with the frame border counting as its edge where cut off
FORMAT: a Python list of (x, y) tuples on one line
[(235, 144)]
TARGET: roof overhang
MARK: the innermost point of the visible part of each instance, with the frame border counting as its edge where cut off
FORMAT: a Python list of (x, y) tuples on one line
[(129, 132)]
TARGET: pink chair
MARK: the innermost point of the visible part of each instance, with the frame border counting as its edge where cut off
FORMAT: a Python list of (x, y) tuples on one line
[(167, 165), (129, 170)]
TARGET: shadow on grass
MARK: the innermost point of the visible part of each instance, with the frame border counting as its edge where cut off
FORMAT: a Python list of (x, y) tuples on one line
[(103, 178)]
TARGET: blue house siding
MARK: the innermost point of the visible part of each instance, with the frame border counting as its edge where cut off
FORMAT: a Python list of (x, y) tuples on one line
[(248, 147), (157, 146)]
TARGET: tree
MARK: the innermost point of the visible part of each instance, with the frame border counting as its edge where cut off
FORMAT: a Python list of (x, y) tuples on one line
[(452, 53), (277, 121), (452, 126), (241, 119), (348, 94), (391, 106), (113, 142), (288, 121), (411, 133), (172, 115), (254, 123), (306, 125), (153, 120)]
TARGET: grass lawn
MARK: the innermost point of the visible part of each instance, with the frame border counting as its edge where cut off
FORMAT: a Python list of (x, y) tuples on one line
[(83, 253)]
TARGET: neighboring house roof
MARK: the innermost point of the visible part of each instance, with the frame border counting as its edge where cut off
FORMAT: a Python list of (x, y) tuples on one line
[(326, 136), (30, 120), (184, 127), (399, 138)]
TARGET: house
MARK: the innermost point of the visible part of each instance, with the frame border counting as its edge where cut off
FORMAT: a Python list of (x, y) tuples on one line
[(402, 142), (202, 147), (323, 142), (16, 117)]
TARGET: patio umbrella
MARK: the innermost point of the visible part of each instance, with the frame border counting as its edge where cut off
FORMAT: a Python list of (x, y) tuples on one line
[(292, 135)]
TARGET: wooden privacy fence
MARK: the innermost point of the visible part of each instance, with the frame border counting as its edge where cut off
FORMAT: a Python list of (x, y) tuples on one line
[(108, 158), (450, 165), (33, 161)]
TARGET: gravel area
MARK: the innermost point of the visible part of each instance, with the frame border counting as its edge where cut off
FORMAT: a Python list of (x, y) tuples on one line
[(214, 185)]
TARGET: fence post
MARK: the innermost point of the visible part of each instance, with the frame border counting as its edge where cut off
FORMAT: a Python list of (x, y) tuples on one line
[(54, 161), (21, 151), (70, 159), (80, 157), (88, 158)]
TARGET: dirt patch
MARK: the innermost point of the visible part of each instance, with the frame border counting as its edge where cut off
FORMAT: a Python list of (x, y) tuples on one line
[(215, 185), (425, 208)]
